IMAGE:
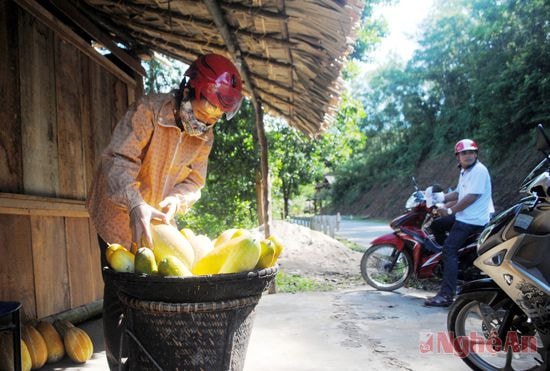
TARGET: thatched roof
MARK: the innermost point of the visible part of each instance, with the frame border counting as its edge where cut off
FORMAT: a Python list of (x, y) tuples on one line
[(290, 51)]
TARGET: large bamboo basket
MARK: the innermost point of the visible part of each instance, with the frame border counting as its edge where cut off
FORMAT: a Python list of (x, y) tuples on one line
[(189, 323)]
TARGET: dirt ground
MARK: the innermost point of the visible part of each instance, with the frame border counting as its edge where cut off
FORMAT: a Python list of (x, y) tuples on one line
[(325, 260), (317, 256)]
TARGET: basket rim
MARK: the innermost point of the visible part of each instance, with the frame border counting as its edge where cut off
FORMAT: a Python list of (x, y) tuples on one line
[(210, 278)]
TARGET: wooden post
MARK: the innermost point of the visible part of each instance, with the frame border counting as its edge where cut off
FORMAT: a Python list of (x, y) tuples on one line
[(264, 169), (259, 198), (232, 45)]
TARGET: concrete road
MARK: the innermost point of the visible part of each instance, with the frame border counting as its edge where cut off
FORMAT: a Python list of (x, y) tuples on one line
[(359, 329), (350, 330), (362, 232), (355, 329)]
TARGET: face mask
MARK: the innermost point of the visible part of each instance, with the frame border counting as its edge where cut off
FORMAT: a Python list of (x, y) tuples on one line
[(191, 125), (205, 111)]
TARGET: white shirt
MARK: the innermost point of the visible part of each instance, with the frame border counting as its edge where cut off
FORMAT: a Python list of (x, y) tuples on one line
[(475, 180)]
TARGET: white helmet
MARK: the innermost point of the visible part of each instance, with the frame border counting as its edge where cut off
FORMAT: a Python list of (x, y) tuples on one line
[(465, 145)]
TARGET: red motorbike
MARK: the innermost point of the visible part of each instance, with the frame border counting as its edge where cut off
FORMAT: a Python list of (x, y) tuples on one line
[(411, 250)]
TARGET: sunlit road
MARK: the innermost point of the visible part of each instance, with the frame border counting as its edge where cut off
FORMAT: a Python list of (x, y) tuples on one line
[(362, 232), (351, 330)]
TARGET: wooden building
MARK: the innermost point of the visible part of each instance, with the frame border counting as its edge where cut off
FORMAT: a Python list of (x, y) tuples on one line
[(60, 99)]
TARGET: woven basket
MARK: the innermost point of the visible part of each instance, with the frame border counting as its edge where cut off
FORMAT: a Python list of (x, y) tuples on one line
[(192, 289), (189, 323)]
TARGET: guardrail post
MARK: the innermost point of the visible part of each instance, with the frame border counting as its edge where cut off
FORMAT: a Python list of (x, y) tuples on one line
[(327, 224)]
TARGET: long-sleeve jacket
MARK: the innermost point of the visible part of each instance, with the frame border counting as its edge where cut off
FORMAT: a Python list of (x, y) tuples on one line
[(148, 159)]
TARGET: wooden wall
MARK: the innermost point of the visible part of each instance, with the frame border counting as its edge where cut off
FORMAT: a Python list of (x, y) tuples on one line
[(60, 100)]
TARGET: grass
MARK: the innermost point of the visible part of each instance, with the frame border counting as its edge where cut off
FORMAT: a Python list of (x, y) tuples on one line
[(351, 245), (293, 283)]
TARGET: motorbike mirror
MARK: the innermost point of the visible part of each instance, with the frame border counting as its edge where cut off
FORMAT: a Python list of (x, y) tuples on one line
[(415, 184)]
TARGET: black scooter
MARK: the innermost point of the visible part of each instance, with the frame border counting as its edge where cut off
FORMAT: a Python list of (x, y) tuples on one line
[(503, 322)]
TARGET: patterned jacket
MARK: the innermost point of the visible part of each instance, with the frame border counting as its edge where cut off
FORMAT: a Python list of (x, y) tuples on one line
[(148, 159)]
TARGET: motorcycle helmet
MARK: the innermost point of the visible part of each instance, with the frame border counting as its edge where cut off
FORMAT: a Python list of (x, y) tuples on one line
[(216, 87), (465, 145)]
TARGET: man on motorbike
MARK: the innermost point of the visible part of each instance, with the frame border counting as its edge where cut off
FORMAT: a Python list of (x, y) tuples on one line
[(471, 207)]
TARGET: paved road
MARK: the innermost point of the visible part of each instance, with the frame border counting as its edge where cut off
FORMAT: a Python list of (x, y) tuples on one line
[(352, 330), (362, 232), (347, 330), (358, 329)]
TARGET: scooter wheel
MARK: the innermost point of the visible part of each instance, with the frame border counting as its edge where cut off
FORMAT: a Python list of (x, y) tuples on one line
[(386, 268), (475, 318)]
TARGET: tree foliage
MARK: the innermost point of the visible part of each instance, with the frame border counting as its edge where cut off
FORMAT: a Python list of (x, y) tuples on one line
[(371, 30), (163, 74), (296, 162), (229, 197), (482, 71)]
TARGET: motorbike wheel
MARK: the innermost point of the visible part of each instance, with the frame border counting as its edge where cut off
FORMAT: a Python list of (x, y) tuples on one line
[(473, 322), (386, 268)]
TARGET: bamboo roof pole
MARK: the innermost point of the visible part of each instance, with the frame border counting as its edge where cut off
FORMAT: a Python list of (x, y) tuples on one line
[(217, 15)]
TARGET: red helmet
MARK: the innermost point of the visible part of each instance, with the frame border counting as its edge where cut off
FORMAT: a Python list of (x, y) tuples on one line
[(216, 78), (465, 145)]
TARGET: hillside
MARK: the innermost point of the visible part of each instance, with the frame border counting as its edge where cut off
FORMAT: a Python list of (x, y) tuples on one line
[(388, 201)]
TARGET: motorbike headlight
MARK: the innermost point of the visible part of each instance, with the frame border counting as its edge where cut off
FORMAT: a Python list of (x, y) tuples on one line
[(411, 202), (415, 199), (496, 259)]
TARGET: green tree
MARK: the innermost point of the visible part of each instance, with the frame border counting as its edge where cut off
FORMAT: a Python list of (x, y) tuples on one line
[(481, 71), (293, 162), (297, 162), (229, 197), (371, 30), (163, 74)]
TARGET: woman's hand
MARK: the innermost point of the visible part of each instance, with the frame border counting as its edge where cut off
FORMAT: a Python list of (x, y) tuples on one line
[(140, 222), (169, 206)]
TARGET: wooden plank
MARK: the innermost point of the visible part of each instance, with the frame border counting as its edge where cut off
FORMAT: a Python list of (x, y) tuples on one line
[(38, 121), (120, 104), (43, 212), (16, 270), (19, 204), (51, 21), (51, 278), (131, 95), (138, 92), (11, 168), (101, 119), (97, 277), (76, 16), (106, 103), (72, 182), (80, 262), (86, 126)]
